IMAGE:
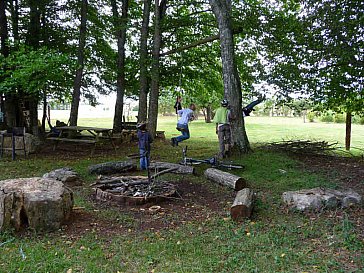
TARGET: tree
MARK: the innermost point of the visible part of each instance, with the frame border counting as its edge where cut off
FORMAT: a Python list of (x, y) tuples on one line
[(232, 85), (80, 63), (337, 28), (120, 25), (4, 49), (320, 54), (160, 9), (143, 51)]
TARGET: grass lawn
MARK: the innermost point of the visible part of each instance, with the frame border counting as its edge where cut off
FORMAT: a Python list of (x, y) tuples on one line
[(274, 240), (262, 129)]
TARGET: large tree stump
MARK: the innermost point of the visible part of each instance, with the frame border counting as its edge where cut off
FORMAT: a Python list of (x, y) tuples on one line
[(38, 203), (112, 167), (243, 204), (226, 179), (177, 168)]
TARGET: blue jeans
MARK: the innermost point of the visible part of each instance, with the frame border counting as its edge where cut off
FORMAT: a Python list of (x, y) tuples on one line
[(185, 132), (144, 159)]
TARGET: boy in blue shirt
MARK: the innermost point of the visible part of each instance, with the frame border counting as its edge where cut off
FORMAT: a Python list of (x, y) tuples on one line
[(182, 124), (144, 140)]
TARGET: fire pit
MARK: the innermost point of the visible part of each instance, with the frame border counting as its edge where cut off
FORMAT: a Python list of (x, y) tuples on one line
[(132, 190)]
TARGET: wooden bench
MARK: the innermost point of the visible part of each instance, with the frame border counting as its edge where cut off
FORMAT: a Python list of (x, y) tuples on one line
[(129, 125), (160, 134), (74, 140), (90, 141), (93, 138), (129, 135)]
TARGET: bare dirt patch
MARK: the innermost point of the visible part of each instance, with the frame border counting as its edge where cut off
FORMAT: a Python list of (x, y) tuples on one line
[(348, 172), (198, 200), (194, 202)]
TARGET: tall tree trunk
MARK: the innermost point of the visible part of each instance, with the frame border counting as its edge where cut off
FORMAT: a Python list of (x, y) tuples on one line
[(143, 81), (11, 104), (120, 33), (348, 130), (2, 112), (208, 113), (14, 9), (12, 112), (4, 35), (160, 9), (232, 85), (33, 114), (4, 49), (33, 40), (33, 35), (44, 117), (80, 62)]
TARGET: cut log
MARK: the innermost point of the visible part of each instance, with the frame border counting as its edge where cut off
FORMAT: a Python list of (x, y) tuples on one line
[(179, 169), (112, 167), (37, 203), (243, 205), (227, 179)]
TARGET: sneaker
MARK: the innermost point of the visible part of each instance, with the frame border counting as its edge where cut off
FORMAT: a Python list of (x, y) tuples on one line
[(174, 141)]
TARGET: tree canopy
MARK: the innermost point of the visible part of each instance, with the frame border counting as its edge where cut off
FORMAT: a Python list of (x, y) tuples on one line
[(311, 49)]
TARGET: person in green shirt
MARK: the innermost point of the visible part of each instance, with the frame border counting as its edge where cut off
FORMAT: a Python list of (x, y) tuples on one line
[(223, 119)]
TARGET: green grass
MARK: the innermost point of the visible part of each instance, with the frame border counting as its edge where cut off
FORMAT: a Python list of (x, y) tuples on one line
[(262, 129), (274, 240)]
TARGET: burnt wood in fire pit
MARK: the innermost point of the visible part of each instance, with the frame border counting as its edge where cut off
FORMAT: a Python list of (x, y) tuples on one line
[(132, 190)]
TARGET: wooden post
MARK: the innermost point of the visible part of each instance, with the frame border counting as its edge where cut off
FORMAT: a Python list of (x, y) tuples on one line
[(348, 131)]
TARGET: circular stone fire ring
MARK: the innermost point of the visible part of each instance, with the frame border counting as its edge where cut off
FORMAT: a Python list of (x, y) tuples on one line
[(133, 190)]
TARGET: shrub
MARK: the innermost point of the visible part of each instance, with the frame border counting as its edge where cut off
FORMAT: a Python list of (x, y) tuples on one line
[(339, 118), (355, 119), (361, 120), (327, 117), (358, 119), (311, 116)]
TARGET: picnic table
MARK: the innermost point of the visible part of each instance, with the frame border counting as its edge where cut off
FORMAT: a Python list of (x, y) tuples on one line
[(74, 134)]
